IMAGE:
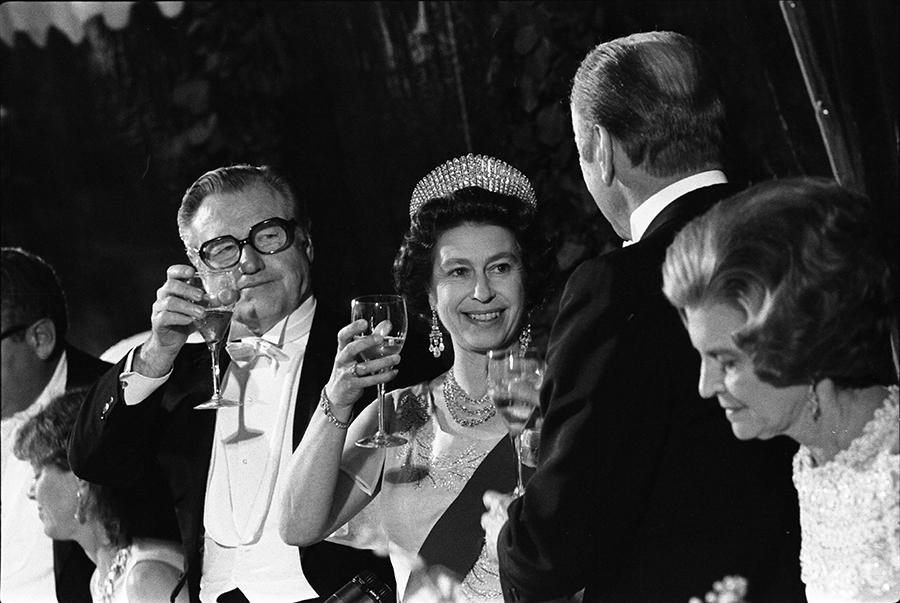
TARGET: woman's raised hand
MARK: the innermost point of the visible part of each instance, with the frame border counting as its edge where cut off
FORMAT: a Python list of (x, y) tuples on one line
[(351, 374)]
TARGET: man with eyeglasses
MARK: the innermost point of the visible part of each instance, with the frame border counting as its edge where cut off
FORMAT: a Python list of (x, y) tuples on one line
[(224, 467), (37, 365)]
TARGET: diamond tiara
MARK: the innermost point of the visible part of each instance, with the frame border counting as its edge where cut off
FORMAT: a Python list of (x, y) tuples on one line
[(472, 170)]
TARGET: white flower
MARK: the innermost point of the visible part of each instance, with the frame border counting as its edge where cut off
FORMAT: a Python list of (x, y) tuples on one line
[(730, 589)]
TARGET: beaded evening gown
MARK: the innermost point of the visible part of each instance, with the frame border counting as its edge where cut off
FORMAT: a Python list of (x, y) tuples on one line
[(421, 480), (111, 588), (850, 515)]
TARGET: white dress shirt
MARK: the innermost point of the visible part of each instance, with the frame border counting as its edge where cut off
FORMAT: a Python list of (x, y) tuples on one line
[(252, 446), (26, 553), (643, 216)]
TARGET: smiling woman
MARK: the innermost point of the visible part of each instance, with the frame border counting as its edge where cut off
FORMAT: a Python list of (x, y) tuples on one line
[(789, 300), (477, 288), (473, 266)]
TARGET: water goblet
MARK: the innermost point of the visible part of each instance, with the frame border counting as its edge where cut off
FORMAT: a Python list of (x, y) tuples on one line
[(221, 294), (514, 386), (386, 316)]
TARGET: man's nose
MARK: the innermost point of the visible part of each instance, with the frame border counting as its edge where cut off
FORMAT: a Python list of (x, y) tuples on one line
[(251, 260), (30, 493)]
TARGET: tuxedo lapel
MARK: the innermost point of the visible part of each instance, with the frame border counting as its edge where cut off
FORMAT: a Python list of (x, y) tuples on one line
[(72, 570), (317, 361), (82, 369)]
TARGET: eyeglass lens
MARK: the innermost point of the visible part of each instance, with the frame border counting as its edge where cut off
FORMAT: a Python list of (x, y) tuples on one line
[(14, 330), (267, 237)]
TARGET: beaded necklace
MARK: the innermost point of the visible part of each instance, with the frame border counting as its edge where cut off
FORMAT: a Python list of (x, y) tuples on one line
[(459, 403), (116, 569)]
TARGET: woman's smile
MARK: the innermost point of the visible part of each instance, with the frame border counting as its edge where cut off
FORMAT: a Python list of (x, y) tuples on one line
[(477, 287), (483, 317)]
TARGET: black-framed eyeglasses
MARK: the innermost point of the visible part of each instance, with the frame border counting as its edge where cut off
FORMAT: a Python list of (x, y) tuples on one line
[(268, 237), (13, 330)]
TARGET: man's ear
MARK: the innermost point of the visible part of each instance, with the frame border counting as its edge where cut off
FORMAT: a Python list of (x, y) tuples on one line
[(310, 252), (602, 143), (41, 336)]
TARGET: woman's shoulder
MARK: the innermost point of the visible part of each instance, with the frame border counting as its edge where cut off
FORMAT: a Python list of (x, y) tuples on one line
[(414, 404), (423, 388), (156, 568), (151, 549), (419, 394)]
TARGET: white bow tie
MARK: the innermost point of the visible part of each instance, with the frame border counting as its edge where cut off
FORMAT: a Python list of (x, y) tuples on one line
[(248, 348)]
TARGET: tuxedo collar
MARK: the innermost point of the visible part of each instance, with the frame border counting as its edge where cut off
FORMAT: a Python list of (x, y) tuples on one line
[(688, 206), (642, 217)]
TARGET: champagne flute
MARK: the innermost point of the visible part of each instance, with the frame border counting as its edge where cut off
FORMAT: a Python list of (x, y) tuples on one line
[(222, 293), (514, 385), (386, 316)]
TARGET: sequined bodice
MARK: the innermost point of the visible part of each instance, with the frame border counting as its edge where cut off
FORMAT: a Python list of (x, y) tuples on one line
[(422, 478), (850, 515)]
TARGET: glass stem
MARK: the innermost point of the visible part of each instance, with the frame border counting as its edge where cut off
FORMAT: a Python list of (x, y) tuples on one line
[(517, 444), (381, 409), (214, 357)]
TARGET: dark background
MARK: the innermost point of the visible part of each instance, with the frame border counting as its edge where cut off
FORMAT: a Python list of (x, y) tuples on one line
[(355, 101)]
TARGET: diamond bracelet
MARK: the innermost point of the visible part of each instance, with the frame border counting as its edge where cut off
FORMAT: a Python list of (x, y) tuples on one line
[(325, 403)]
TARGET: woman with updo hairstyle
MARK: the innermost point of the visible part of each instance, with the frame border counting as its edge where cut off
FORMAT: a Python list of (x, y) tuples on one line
[(473, 265), (101, 519), (413, 264), (789, 299)]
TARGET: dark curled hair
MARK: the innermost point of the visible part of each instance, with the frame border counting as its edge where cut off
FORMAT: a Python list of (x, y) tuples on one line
[(43, 440), (801, 259), (413, 266)]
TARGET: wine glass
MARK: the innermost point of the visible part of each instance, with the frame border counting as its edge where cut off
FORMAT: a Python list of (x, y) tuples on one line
[(222, 293), (386, 316), (531, 443), (514, 385)]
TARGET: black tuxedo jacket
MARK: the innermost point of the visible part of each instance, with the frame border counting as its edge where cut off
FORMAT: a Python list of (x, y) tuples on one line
[(115, 444), (643, 493), (71, 567)]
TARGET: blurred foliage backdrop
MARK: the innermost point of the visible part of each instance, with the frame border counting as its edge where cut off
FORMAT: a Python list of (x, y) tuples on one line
[(355, 101)]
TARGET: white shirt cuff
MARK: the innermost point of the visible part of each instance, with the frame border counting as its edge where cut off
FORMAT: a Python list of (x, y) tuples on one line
[(137, 387)]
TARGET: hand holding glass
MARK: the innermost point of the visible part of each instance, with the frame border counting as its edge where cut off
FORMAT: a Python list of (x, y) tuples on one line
[(385, 315), (222, 293), (514, 385)]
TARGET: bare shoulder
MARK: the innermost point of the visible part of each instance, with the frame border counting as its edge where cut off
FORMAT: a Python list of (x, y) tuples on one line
[(151, 581)]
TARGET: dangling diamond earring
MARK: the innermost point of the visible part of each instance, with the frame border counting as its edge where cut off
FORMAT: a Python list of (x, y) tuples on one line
[(525, 339), (435, 337), (79, 512), (812, 400)]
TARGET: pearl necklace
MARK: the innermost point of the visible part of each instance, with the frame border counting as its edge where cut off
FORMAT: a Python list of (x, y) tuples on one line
[(116, 569), (455, 397)]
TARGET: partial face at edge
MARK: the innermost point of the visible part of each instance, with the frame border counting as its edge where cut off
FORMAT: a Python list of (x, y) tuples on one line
[(54, 491), (21, 369), (478, 286), (754, 408)]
